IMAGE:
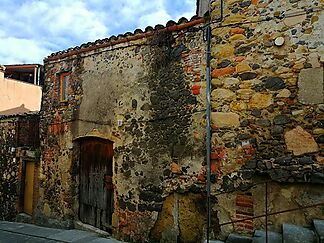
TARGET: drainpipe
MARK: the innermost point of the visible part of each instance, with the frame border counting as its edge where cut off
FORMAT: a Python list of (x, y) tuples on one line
[(38, 75), (208, 127), (208, 113)]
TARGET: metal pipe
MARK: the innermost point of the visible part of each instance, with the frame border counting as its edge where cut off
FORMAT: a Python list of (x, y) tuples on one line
[(208, 126), (208, 116), (38, 75), (266, 210), (222, 11), (35, 75)]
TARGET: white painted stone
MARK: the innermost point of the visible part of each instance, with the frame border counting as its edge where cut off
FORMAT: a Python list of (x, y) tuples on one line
[(279, 41)]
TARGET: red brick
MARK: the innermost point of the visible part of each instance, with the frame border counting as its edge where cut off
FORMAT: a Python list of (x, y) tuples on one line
[(195, 89), (237, 30), (246, 205), (220, 72)]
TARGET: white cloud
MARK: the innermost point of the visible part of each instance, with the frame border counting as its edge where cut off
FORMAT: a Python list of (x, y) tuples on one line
[(13, 50), (159, 17), (31, 30)]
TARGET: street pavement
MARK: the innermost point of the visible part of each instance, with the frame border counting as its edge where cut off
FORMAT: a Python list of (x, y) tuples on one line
[(12, 232)]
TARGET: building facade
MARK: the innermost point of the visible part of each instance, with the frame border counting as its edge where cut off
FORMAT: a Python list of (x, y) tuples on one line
[(123, 126)]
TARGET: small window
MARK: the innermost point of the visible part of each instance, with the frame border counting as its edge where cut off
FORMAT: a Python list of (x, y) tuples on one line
[(64, 86)]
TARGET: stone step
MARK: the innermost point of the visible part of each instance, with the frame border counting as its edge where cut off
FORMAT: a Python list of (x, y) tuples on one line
[(297, 234), (319, 228), (214, 241), (260, 237), (235, 238)]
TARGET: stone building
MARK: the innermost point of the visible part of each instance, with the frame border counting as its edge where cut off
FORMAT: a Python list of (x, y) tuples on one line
[(19, 160), (123, 125)]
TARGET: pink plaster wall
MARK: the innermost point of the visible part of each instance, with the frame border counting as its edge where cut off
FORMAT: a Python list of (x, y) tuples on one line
[(18, 97)]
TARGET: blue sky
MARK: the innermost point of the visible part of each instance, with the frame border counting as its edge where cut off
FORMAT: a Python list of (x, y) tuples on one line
[(32, 29)]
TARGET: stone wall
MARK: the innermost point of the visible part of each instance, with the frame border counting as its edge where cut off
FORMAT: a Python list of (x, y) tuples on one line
[(147, 97), (14, 148), (267, 103)]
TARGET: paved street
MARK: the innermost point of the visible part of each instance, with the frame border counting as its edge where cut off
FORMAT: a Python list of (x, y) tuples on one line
[(18, 232)]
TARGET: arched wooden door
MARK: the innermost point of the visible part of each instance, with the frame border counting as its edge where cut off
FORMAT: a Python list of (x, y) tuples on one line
[(96, 188)]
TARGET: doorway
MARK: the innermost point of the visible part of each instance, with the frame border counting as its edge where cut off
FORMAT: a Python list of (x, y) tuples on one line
[(96, 187), (29, 186)]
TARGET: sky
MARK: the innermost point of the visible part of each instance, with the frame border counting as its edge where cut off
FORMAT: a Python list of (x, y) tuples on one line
[(30, 30)]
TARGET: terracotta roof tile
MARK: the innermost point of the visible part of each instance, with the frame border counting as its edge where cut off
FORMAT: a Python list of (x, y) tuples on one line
[(171, 26)]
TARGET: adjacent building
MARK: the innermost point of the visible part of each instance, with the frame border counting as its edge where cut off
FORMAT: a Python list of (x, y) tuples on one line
[(20, 90)]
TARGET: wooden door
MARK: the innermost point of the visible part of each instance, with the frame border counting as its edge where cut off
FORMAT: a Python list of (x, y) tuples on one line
[(96, 188), (29, 187)]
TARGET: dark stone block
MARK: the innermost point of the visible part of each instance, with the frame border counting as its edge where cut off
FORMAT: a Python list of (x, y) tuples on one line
[(228, 184), (242, 50), (255, 66), (251, 164), (317, 177), (224, 63), (320, 139), (245, 123), (178, 150), (306, 160), (268, 165), (150, 196), (245, 4), (297, 234), (280, 175), (234, 238), (274, 83), (261, 165), (248, 75), (131, 206), (263, 122), (281, 119), (150, 207), (122, 204), (319, 227), (247, 174), (134, 104), (243, 136), (176, 52), (285, 160), (320, 123), (277, 131), (260, 237), (256, 113)]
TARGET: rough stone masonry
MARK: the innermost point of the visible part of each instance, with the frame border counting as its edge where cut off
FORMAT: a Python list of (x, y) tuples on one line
[(267, 101)]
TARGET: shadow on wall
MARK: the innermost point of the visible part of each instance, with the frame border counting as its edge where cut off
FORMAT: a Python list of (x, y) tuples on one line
[(17, 110)]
